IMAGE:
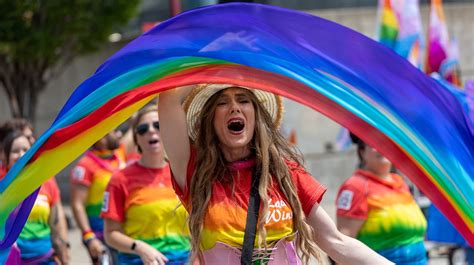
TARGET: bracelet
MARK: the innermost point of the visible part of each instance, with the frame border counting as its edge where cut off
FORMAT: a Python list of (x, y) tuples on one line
[(87, 236), (134, 245)]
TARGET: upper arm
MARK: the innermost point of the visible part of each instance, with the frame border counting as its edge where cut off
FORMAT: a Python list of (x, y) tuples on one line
[(53, 219), (326, 234), (174, 131), (79, 194), (349, 226), (111, 226)]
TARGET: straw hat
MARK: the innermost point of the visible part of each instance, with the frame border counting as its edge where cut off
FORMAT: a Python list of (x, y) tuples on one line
[(195, 101)]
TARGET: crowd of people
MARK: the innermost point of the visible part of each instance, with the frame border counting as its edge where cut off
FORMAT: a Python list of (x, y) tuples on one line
[(229, 189)]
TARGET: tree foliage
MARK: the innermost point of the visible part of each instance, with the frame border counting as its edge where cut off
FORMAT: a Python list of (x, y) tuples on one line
[(39, 37)]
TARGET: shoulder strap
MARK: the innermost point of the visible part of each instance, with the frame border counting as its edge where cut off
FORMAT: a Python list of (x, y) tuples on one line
[(251, 223)]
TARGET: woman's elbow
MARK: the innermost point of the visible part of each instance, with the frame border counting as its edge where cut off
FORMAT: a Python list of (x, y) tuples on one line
[(108, 238), (336, 246)]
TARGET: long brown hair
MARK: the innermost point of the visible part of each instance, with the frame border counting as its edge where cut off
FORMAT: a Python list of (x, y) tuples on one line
[(271, 150)]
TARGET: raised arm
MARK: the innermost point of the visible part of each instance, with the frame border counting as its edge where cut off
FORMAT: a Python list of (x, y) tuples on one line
[(174, 131), (341, 248)]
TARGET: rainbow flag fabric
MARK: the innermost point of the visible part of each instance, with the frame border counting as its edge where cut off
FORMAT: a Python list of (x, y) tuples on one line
[(399, 28), (370, 90)]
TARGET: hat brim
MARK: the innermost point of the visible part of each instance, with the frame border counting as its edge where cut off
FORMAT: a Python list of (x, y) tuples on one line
[(195, 101)]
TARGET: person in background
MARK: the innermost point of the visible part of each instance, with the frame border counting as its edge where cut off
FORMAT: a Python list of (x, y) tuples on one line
[(226, 153), (21, 125), (88, 181), (43, 239), (376, 207), (141, 213)]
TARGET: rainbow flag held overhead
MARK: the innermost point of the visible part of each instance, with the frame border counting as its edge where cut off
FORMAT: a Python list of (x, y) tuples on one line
[(469, 90), (376, 94)]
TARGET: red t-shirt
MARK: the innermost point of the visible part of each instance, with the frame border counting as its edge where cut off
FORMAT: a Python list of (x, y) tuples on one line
[(95, 172), (3, 171), (392, 219), (227, 210), (143, 200)]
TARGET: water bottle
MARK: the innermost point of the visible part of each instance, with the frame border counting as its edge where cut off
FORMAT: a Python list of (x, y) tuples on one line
[(104, 259)]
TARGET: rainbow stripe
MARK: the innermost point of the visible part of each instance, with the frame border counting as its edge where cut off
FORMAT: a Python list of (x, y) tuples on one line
[(399, 28), (388, 26), (379, 96), (377, 225)]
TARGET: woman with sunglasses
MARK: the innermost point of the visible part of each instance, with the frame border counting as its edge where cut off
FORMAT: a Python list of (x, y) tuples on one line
[(43, 239), (143, 217)]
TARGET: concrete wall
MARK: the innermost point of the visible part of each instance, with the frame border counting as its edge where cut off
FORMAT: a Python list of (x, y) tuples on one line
[(314, 130)]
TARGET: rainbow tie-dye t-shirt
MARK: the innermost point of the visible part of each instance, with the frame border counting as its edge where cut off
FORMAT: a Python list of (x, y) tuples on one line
[(143, 200), (226, 214), (35, 238), (95, 172), (394, 224)]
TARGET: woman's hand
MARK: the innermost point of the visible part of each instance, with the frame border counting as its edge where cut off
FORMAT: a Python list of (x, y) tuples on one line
[(96, 248), (149, 255), (63, 254)]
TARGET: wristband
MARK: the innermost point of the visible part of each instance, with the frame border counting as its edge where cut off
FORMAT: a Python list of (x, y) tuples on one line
[(87, 236), (134, 245)]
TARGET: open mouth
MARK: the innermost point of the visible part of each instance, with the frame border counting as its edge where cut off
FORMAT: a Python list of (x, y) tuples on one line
[(236, 126), (154, 141)]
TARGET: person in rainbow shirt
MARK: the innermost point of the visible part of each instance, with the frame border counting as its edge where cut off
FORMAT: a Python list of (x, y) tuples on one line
[(250, 200), (43, 239), (376, 207), (143, 216), (88, 181)]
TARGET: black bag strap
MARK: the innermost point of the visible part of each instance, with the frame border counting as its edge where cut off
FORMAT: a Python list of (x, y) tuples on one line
[(251, 224)]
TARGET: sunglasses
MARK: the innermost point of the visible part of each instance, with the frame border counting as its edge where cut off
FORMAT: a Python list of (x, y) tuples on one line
[(144, 127)]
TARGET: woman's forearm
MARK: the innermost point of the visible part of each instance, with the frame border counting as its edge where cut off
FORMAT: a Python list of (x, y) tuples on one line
[(352, 251), (57, 224), (80, 215), (341, 248), (120, 241), (79, 195)]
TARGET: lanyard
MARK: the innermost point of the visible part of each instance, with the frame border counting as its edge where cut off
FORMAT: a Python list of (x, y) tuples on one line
[(251, 224), (101, 162)]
